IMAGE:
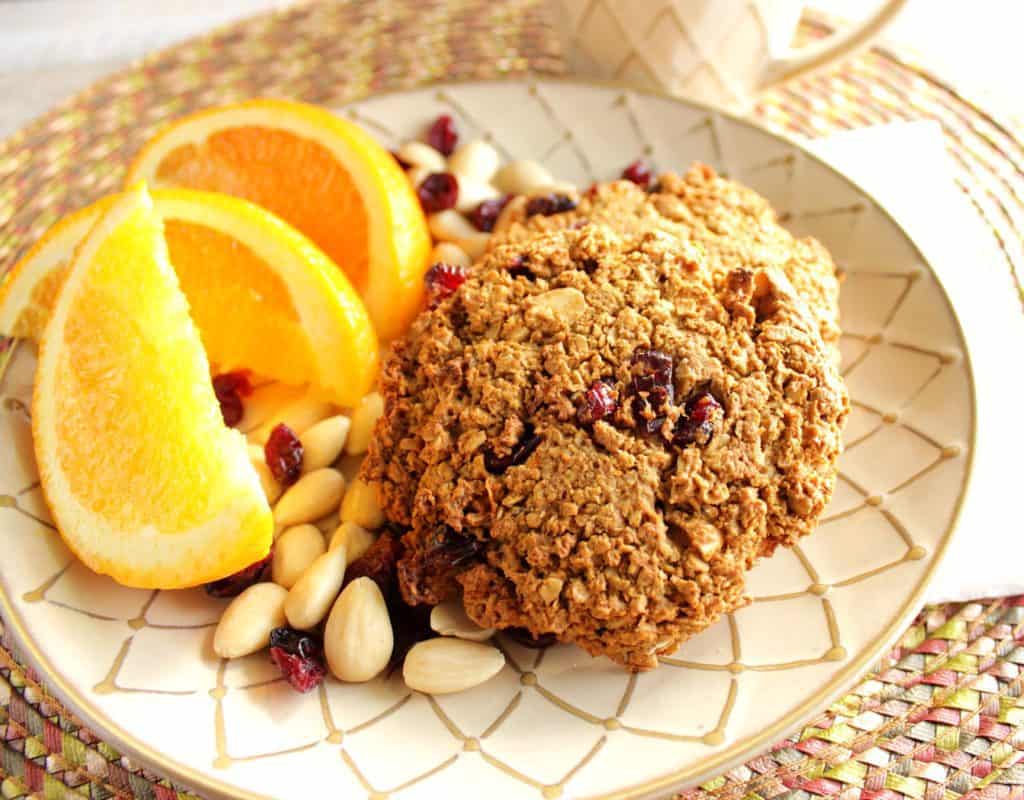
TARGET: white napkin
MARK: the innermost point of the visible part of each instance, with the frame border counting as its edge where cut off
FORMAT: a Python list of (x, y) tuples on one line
[(906, 166)]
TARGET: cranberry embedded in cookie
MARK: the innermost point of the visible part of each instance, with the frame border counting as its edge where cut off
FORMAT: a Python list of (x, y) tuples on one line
[(592, 440)]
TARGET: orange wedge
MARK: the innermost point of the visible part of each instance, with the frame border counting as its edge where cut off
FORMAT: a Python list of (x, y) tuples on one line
[(264, 297), (145, 482), (324, 175), (30, 288)]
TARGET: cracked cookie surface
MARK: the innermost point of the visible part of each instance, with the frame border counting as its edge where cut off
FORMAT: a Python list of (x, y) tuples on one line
[(734, 226), (590, 439)]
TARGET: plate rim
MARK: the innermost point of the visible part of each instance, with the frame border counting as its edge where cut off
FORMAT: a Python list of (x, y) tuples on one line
[(675, 781)]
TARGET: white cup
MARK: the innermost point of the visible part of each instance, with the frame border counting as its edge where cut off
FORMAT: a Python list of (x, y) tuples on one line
[(720, 52)]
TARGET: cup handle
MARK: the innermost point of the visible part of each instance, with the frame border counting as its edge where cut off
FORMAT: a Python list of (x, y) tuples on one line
[(839, 45)]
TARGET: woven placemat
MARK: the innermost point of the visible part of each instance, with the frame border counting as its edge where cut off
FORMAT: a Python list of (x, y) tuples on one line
[(940, 717)]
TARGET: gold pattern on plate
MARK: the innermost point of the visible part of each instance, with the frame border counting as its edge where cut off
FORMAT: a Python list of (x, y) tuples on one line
[(712, 122)]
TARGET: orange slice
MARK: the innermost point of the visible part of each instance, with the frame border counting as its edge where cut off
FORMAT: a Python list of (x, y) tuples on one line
[(145, 482), (265, 298), (324, 175), (30, 288)]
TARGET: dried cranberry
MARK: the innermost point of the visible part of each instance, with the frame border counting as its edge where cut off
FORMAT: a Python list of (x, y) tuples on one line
[(442, 280), (234, 585), (438, 191), (697, 425), (442, 136), (639, 173), (527, 639), (283, 454), (409, 624), (230, 388), (485, 215), (548, 204), (427, 573), (378, 563), (519, 452), (653, 388), (598, 402), (455, 548), (519, 268), (299, 656)]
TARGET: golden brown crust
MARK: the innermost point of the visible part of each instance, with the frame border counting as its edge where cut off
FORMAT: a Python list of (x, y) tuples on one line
[(624, 542), (734, 226)]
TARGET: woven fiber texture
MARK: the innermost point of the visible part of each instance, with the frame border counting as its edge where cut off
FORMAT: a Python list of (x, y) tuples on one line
[(940, 717)]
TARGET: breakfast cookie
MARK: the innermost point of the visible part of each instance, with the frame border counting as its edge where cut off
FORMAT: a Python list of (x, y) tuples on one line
[(735, 226), (588, 440)]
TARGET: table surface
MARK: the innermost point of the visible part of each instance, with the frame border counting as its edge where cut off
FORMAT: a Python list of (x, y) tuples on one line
[(51, 48)]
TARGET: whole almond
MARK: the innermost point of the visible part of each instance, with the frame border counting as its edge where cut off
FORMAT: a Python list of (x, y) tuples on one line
[(476, 160), (358, 640), (355, 538), (522, 177), (474, 245), (266, 401), (323, 442), (418, 154), (316, 494), (246, 623), (299, 415), (312, 595), (450, 619), (472, 193), (271, 488), (361, 505), (449, 226), (450, 253), (565, 303), (444, 665), (364, 418), (294, 551)]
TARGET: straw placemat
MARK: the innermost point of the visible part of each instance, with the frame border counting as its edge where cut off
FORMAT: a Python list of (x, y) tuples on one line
[(940, 717)]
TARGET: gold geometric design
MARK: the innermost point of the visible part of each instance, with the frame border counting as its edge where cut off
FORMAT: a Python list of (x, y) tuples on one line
[(577, 131)]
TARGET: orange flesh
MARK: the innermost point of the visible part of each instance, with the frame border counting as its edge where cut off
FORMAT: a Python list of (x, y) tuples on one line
[(115, 369), (296, 178), (233, 294)]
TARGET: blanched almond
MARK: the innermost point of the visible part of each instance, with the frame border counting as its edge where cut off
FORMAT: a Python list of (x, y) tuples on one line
[(474, 245), (450, 226), (355, 538), (522, 177), (418, 154), (450, 619), (444, 665), (265, 402), (564, 303), (450, 253), (361, 506), (358, 640), (246, 623), (300, 416), (473, 193), (316, 494), (364, 418), (323, 442), (311, 597), (271, 488), (476, 160), (294, 551)]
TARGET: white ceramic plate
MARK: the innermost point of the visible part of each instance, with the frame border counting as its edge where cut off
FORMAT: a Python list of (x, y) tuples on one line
[(138, 666)]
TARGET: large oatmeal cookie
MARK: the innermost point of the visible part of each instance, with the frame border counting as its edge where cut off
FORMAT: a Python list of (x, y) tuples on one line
[(735, 226), (588, 440)]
